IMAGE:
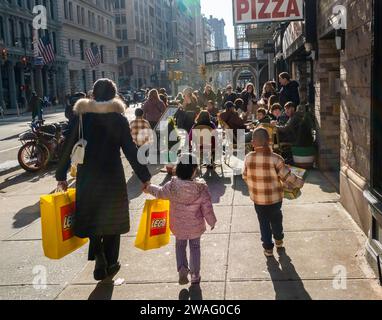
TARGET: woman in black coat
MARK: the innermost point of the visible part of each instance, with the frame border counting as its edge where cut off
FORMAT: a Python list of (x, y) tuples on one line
[(102, 206)]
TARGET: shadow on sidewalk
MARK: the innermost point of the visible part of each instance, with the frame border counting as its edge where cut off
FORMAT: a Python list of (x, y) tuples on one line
[(194, 293), (26, 177), (26, 216), (216, 184), (103, 291), (286, 281)]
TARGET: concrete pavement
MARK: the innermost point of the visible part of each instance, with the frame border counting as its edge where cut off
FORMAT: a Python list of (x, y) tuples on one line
[(324, 257)]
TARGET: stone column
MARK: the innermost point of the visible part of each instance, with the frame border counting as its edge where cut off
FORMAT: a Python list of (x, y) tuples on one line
[(12, 86), (2, 104), (23, 93)]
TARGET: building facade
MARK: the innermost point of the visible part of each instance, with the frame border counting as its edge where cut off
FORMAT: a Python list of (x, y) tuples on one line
[(218, 27), (19, 76), (87, 24)]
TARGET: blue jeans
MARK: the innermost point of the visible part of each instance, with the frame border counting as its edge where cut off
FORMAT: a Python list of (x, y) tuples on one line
[(271, 223)]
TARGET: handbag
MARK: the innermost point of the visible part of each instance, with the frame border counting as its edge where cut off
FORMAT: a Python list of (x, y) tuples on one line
[(78, 151), (57, 217), (154, 228)]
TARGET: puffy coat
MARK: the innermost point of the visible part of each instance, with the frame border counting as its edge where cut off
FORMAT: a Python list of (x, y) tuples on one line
[(190, 206), (102, 206)]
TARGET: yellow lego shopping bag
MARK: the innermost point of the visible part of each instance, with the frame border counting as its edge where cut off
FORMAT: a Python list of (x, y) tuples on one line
[(154, 228), (57, 214)]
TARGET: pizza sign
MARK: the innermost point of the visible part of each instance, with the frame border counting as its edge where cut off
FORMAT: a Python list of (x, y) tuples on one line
[(257, 11)]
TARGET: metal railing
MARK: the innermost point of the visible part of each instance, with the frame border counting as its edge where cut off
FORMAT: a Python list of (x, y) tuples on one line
[(234, 55)]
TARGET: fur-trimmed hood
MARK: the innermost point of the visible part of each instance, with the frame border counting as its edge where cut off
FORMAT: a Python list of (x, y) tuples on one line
[(83, 106)]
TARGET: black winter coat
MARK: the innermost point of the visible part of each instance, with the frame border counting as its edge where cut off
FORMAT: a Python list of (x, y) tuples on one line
[(289, 93), (102, 206)]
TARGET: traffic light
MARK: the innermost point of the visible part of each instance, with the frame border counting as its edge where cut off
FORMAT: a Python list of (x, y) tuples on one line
[(171, 75), (178, 75), (24, 61), (4, 54), (203, 70)]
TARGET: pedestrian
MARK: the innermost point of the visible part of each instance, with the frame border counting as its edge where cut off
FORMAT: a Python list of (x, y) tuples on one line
[(164, 99), (69, 112), (153, 108), (250, 100), (190, 208), (141, 131), (102, 206), (265, 173), (289, 90), (35, 105)]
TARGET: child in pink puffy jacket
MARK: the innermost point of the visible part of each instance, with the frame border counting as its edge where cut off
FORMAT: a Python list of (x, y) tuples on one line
[(190, 208)]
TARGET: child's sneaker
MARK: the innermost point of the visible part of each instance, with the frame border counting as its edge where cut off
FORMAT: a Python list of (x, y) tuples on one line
[(183, 276), (195, 278), (279, 244), (268, 253)]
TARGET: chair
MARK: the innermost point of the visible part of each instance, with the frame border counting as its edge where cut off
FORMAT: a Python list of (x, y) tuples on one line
[(202, 142), (230, 141)]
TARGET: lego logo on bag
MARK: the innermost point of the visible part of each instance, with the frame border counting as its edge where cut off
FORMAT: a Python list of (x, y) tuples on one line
[(67, 218), (158, 223)]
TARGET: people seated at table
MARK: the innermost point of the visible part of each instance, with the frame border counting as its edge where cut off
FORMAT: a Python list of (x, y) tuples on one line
[(271, 101), (233, 120), (262, 117), (239, 103), (213, 111), (229, 95), (288, 132), (268, 91)]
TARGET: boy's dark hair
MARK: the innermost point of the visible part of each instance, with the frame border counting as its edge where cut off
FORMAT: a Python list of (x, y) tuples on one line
[(262, 110), (285, 75), (276, 106), (139, 112), (186, 166), (239, 103), (290, 105)]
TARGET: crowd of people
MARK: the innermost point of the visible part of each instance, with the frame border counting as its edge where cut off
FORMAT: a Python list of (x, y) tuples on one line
[(102, 212)]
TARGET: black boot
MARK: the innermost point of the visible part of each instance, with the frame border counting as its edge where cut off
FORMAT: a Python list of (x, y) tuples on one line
[(113, 269), (100, 270)]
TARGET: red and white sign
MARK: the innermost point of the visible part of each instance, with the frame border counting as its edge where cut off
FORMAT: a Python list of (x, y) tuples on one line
[(158, 223), (257, 11)]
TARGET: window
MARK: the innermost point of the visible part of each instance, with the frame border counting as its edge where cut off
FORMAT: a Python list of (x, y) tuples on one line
[(82, 49), (66, 13), (70, 11), (2, 37), (12, 32)]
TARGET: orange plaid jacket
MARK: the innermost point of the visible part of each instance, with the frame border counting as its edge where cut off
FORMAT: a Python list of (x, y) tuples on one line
[(266, 174), (141, 132)]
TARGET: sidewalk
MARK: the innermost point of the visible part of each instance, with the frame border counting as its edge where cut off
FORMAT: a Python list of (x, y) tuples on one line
[(320, 240), (26, 116)]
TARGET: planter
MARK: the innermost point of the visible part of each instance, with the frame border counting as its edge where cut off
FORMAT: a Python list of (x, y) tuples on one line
[(304, 157)]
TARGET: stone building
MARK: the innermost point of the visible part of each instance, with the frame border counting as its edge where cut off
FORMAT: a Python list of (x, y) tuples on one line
[(87, 24), (218, 26), (19, 76), (348, 108)]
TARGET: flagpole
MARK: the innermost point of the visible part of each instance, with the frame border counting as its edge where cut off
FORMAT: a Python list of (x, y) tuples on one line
[(38, 68)]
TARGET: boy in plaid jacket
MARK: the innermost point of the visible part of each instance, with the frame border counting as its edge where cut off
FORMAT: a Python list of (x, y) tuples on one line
[(265, 174)]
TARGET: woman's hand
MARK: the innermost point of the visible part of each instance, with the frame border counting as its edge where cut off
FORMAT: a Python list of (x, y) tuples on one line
[(145, 185), (62, 186)]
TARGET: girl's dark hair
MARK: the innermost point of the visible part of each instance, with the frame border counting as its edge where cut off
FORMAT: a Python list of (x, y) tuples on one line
[(186, 166), (204, 118), (104, 90)]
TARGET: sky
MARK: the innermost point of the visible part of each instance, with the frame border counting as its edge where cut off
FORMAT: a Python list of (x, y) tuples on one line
[(221, 9)]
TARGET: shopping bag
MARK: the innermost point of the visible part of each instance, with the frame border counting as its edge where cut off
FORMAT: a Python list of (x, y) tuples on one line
[(154, 228), (291, 193), (57, 215)]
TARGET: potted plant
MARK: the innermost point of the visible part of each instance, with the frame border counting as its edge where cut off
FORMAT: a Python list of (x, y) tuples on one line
[(303, 151)]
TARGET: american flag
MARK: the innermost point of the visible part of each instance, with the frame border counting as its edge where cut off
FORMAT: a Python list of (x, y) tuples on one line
[(94, 56), (46, 50)]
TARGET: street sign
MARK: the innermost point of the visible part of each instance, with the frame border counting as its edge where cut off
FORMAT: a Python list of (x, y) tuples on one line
[(172, 61), (38, 61), (257, 11)]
